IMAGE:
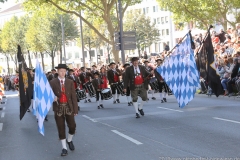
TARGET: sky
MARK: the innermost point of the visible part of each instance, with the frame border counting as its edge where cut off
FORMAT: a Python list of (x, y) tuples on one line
[(8, 4)]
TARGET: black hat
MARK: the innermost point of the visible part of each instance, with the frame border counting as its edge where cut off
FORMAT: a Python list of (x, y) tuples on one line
[(145, 61), (135, 59), (82, 68), (53, 70), (94, 66), (96, 73), (70, 70), (159, 59), (125, 65), (64, 66), (112, 63), (88, 68)]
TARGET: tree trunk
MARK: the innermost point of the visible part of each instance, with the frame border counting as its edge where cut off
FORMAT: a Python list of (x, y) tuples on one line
[(8, 64), (14, 60), (52, 55), (139, 52), (42, 57), (29, 59)]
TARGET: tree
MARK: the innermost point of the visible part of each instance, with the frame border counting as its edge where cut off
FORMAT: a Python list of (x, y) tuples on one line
[(203, 12), (146, 32), (101, 11)]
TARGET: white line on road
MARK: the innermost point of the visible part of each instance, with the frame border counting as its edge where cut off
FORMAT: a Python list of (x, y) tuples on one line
[(93, 120), (3, 114), (170, 109), (1, 126), (227, 120), (127, 137)]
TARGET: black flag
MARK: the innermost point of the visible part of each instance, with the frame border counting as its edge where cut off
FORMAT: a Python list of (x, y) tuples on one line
[(25, 84), (207, 67)]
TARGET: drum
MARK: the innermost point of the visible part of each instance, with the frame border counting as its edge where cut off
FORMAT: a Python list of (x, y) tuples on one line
[(107, 94), (119, 87), (81, 94), (154, 84), (90, 89)]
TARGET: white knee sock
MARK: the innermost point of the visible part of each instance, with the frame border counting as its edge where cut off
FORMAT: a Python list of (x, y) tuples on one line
[(64, 144), (161, 96), (88, 96), (164, 94), (101, 102), (135, 104), (141, 105), (114, 97), (97, 103), (128, 99), (152, 93), (70, 137), (118, 95)]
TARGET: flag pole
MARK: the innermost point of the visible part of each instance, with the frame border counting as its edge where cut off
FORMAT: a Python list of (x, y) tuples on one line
[(204, 39)]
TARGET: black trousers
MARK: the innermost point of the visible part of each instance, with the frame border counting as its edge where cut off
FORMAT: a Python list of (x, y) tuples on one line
[(60, 121), (161, 86), (229, 85), (128, 91), (98, 94), (114, 88)]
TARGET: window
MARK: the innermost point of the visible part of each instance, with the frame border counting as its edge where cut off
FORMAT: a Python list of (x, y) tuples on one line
[(147, 10), (154, 20), (85, 54), (167, 31), (166, 19), (101, 52), (158, 20), (69, 55), (154, 8), (92, 52), (163, 32), (144, 11), (162, 20), (77, 55)]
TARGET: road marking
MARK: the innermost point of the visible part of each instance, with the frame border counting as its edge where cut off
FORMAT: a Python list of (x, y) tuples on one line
[(3, 114), (227, 120), (1, 126), (93, 120), (170, 109), (127, 137), (4, 108)]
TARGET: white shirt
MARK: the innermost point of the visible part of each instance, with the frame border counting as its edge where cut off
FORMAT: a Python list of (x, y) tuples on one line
[(62, 80), (136, 68)]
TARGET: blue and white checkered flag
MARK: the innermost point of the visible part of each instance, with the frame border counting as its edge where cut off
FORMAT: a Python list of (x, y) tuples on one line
[(180, 72), (43, 96)]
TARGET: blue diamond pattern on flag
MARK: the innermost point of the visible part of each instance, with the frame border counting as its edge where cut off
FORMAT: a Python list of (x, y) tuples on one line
[(180, 72), (43, 96)]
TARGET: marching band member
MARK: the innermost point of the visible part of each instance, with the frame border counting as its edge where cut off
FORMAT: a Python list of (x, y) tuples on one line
[(113, 78), (94, 70), (146, 62), (125, 66), (84, 78), (161, 82), (135, 76), (65, 107), (97, 84), (103, 76)]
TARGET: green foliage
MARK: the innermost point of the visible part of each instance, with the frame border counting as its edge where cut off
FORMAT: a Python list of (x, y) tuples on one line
[(146, 32), (99, 11), (204, 12)]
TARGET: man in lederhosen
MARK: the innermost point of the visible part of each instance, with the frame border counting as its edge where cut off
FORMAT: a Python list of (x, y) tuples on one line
[(125, 66), (113, 78), (85, 77), (161, 82), (97, 84), (146, 62), (64, 106), (75, 80), (136, 75)]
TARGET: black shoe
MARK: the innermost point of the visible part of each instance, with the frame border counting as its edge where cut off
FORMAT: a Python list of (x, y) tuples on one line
[(141, 112), (153, 98), (85, 101), (147, 99), (70, 145), (162, 101), (137, 115), (165, 100), (28, 110), (101, 106), (129, 104), (64, 152), (98, 107), (78, 108), (118, 100), (89, 100), (46, 119), (114, 102)]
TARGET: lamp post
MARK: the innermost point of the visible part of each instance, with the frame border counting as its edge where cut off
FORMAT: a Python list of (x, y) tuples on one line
[(63, 39), (81, 30)]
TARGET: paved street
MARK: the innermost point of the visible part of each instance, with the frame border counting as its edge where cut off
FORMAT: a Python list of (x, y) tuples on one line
[(207, 127)]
